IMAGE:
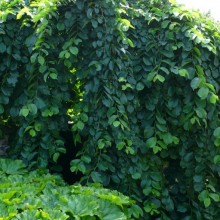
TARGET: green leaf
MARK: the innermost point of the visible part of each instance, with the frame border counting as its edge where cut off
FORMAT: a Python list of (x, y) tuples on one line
[(32, 133), (140, 86), (86, 159), (151, 142), (120, 145), (207, 202), (217, 132), (96, 177), (67, 55), (80, 125), (130, 108), (130, 42), (33, 108), (116, 123), (164, 24), (156, 149), (54, 110), (215, 197), (136, 176), (74, 50), (213, 98), (34, 57), (203, 92), (37, 126), (9, 166), (159, 78), (217, 159), (101, 144), (156, 176), (106, 102), (195, 83), (56, 156), (2, 48), (24, 112), (217, 142), (201, 113), (147, 191), (167, 138), (182, 208), (130, 150), (165, 70), (4, 99), (89, 13), (167, 53), (151, 76), (200, 72), (203, 195), (112, 119), (183, 73), (60, 26), (84, 117), (41, 60), (94, 23), (53, 75), (12, 79), (197, 178), (62, 54)]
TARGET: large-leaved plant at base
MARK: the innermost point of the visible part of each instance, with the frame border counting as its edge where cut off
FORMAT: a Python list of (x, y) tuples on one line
[(39, 195)]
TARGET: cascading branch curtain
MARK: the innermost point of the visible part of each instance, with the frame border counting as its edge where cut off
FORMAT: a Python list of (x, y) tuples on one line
[(139, 80)]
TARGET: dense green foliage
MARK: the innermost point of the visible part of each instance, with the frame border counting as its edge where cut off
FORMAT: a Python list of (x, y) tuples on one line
[(39, 195), (139, 80)]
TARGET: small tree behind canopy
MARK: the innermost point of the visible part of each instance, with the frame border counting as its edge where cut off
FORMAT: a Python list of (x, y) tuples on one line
[(139, 80)]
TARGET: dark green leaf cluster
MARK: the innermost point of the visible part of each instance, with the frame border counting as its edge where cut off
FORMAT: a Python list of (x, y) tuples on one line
[(39, 195), (139, 81)]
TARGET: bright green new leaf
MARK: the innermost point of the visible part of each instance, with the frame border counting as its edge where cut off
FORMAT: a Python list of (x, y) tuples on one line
[(183, 73), (156, 149), (116, 123), (159, 78), (32, 133), (213, 98), (24, 112), (207, 202)]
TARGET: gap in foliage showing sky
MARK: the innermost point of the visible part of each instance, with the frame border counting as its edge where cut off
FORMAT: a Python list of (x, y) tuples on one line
[(204, 6)]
